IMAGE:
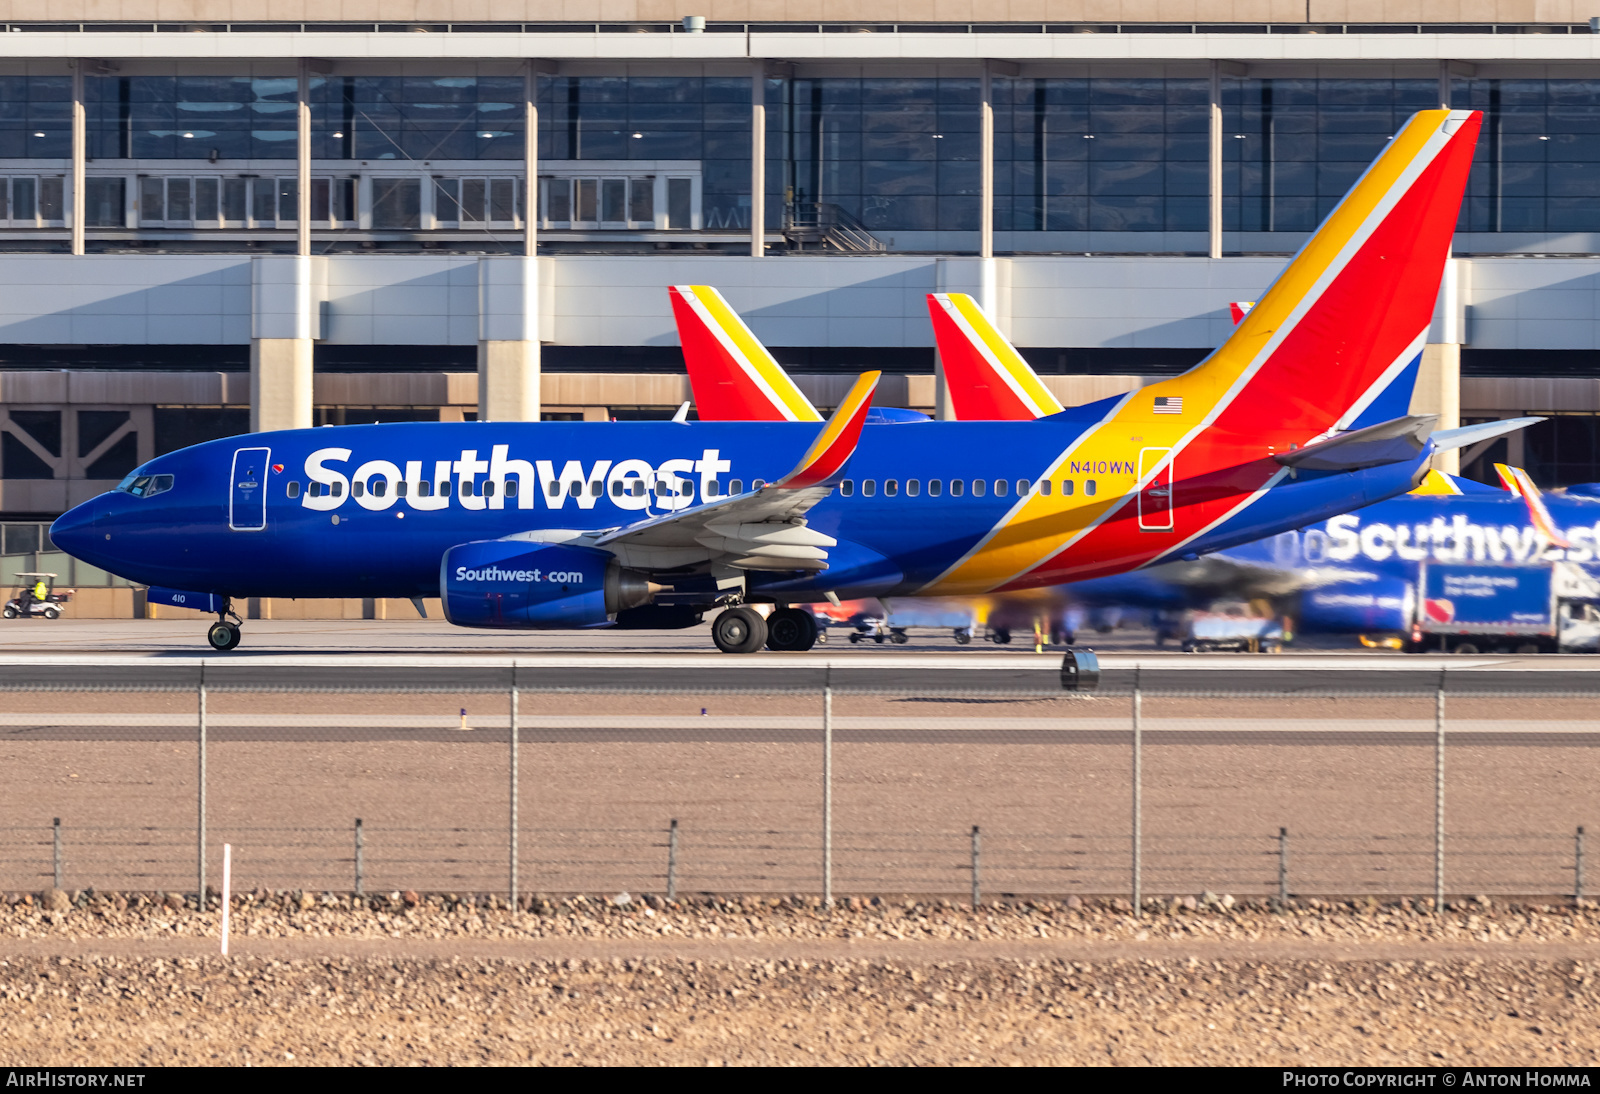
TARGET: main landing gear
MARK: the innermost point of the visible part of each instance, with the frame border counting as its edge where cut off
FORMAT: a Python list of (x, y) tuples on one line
[(786, 630), (223, 634)]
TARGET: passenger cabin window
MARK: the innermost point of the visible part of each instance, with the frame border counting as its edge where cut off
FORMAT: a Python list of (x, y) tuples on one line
[(1088, 487), (1023, 487), (935, 487), (294, 489), (957, 488), (554, 490), (891, 487), (379, 487), (847, 488), (1066, 488), (424, 489), (1044, 487), (637, 488), (1001, 488), (358, 488), (616, 488), (913, 488), (488, 488), (869, 487), (736, 486), (512, 484), (978, 488), (444, 489), (400, 488)]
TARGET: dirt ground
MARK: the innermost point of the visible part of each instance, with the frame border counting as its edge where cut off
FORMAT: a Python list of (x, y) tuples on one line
[(135, 980)]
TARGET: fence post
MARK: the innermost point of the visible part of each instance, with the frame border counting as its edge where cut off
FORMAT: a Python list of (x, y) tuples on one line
[(1138, 776), (361, 874), (200, 823), (1577, 866), (1283, 868), (827, 787), (1438, 796), (58, 871), (514, 771), (977, 875), (672, 861)]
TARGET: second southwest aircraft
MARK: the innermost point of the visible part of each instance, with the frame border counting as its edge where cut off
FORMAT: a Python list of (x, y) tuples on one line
[(1298, 416)]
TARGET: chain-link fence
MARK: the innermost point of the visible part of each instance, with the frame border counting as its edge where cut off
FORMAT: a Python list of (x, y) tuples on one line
[(479, 776)]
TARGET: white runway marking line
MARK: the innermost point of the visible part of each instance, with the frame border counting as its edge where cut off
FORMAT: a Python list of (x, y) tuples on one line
[(425, 722)]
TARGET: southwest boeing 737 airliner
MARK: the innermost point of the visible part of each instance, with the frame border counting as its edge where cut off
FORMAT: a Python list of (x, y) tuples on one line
[(1298, 416)]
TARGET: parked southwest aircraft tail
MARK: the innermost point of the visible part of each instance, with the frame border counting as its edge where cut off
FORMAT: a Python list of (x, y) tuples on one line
[(1299, 416)]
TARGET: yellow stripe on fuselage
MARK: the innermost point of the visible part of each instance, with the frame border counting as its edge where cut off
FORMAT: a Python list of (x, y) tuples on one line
[(1042, 526), (753, 356)]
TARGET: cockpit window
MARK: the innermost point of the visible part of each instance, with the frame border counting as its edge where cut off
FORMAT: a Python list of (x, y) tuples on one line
[(145, 486)]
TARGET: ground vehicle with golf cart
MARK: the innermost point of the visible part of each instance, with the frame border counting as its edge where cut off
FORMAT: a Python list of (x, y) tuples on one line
[(37, 598)]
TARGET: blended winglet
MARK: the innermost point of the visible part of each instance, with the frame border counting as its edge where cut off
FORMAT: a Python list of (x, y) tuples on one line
[(985, 378), (837, 442), (1519, 482), (1239, 309), (732, 375), (1436, 483)]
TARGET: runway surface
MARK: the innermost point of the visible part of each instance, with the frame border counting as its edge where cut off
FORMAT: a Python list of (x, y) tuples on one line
[(312, 726), (432, 656)]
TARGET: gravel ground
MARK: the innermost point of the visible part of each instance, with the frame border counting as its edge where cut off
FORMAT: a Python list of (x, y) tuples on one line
[(99, 979)]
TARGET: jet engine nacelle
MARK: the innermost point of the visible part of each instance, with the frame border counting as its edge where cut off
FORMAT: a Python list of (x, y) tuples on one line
[(504, 583)]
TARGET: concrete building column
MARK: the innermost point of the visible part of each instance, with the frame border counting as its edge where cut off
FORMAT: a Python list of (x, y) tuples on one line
[(1438, 389), (303, 162), (508, 339), (986, 166), (80, 159), (1214, 215), (282, 328), (758, 160), (530, 158)]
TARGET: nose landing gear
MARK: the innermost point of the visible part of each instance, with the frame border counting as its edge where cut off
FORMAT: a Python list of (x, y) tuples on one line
[(223, 634)]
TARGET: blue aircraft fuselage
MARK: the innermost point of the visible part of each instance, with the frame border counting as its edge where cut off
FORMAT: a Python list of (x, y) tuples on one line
[(320, 513)]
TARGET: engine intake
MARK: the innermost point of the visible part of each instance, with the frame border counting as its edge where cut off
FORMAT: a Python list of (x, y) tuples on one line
[(502, 583)]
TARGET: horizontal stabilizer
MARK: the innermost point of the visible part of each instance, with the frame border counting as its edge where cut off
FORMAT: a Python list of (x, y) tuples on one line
[(1388, 442), (1446, 439)]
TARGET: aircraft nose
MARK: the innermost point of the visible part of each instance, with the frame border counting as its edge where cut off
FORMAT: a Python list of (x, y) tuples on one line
[(74, 530)]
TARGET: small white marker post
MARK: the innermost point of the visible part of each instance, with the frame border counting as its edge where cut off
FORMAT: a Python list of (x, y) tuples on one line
[(227, 896)]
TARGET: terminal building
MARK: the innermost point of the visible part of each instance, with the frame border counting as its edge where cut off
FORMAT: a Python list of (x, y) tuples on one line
[(226, 215)]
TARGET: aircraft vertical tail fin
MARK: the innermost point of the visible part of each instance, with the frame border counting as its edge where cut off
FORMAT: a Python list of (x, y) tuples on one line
[(1350, 313), (986, 379), (1519, 482), (732, 375)]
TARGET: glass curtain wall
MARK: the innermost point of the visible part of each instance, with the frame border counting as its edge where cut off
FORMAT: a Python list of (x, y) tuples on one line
[(1101, 155), (1292, 147), (678, 118), (213, 118), (1537, 167)]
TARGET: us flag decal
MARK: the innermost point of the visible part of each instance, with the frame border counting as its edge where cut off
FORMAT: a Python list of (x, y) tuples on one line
[(1169, 404)]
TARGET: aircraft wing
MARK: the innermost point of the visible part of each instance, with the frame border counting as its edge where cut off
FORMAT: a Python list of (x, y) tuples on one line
[(760, 529)]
